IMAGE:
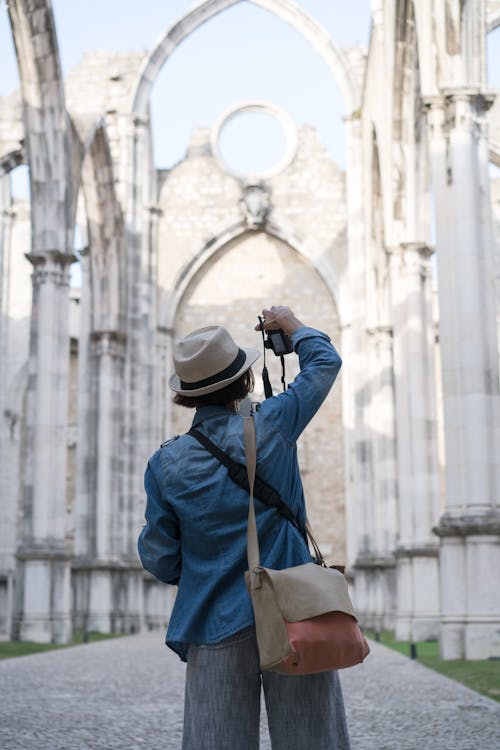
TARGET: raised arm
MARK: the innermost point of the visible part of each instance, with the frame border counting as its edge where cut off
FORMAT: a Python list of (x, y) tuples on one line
[(319, 366)]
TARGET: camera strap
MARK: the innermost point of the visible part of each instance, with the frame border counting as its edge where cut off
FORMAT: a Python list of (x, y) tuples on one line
[(238, 473), (268, 389)]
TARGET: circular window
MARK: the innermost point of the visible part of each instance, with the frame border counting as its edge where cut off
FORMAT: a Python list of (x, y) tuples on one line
[(254, 140)]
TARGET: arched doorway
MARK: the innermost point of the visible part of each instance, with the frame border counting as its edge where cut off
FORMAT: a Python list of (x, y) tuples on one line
[(251, 271)]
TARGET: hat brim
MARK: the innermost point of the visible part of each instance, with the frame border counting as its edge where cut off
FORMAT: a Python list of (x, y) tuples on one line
[(251, 355)]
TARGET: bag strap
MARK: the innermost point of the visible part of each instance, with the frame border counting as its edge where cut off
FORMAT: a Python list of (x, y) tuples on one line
[(263, 491), (253, 551)]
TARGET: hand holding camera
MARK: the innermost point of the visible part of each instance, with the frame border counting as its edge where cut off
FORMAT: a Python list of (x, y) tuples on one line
[(277, 325), (279, 316)]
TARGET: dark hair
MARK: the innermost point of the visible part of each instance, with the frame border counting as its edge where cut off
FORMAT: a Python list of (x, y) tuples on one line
[(235, 391)]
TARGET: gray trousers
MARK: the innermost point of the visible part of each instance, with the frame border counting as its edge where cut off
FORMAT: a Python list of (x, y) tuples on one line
[(222, 702)]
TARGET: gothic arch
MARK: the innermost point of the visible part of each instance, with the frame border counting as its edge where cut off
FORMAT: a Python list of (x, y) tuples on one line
[(11, 160), (408, 133), (105, 229), (218, 243), (208, 9), (377, 274), (493, 19), (46, 124)]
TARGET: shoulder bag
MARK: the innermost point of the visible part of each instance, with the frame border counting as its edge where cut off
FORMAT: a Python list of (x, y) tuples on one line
[(304, 618)]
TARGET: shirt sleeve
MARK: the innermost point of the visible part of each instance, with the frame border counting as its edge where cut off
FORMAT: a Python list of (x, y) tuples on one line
[(319, 363), (159, 544)]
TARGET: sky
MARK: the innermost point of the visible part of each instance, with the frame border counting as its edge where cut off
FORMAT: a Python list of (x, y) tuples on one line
[(244, 53)]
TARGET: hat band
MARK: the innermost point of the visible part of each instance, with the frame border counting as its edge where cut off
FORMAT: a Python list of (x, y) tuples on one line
[(231, 370)]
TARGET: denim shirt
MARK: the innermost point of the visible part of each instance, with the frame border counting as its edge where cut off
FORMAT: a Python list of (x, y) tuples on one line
[(196, 516)]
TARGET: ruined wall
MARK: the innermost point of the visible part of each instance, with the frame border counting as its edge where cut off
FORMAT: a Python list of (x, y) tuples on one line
[(198, 201)]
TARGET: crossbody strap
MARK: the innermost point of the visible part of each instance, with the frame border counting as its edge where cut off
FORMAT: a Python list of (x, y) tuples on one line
[(238, 473), (253, 552)]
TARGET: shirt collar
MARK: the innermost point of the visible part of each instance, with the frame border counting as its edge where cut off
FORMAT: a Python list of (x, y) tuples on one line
[(204, 412)]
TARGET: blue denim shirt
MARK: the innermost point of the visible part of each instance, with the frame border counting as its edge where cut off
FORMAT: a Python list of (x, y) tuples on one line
[(196, 517)]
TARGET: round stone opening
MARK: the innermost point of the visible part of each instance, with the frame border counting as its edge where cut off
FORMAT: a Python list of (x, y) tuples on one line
[(254, 140)]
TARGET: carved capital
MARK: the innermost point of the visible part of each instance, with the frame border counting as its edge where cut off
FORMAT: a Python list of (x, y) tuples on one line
[(107, 343), (460, 108), (431, 549), (154, 210), (374, 561), (51, 267), (49, 549), (477, 524)]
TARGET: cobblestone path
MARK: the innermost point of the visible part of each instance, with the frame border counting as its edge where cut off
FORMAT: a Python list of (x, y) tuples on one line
[(126, 694)]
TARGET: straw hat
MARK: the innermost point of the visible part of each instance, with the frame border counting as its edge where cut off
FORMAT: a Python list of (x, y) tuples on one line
[(207, 360)]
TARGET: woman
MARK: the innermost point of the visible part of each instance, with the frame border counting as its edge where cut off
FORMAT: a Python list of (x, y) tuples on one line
[(195, 537)]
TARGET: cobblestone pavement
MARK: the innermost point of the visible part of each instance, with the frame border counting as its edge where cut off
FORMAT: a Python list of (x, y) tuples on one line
[(126, 694)]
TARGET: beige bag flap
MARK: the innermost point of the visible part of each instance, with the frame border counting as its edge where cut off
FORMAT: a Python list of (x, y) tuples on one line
[(309, 590)]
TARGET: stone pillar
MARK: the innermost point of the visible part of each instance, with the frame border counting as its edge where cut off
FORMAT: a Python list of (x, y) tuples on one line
[(163, 394), (469, 530), (358, 448), (44, 553), (375, 561), (84, 470), (417, 615), (385, 487), (106, 523)]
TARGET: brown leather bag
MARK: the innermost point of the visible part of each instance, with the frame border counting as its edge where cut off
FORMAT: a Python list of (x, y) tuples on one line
[(304, 618)]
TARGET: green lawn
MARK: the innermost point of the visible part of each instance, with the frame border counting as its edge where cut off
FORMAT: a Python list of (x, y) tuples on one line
[(481, 675), (23, 648)]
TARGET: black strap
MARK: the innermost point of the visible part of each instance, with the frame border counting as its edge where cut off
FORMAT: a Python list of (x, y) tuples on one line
[(238, 473)]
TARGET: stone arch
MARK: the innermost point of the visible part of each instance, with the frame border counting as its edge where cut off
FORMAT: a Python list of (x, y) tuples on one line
[(46, 124), (218, 243), (493, 19), (408, 132), (105, 231), (11, 160), (283, 9), (493, 22)]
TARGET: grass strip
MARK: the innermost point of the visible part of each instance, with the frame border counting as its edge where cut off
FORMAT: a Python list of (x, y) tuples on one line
[(483, 675), (9, 649)]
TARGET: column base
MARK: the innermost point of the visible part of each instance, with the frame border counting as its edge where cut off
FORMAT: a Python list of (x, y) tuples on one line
[(46, 581), (470, 581), (417, 613), (374, 591)]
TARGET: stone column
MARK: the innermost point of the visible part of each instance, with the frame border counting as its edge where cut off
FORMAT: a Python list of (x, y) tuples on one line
[(44, 553), (418, 470), (106, 354), (358, 448), (163, 394), (84, 471), (385, 487), (375, 561), (469, 530)]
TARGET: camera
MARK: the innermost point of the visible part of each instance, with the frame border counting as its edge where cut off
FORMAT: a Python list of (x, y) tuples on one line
[(276, 340)]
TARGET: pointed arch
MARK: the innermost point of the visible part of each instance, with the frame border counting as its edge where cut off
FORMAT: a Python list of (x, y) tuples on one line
[(218, 243), (407, 119), (11, 160), (283, 9), (493, 19), (105, 230), (46, 124)]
